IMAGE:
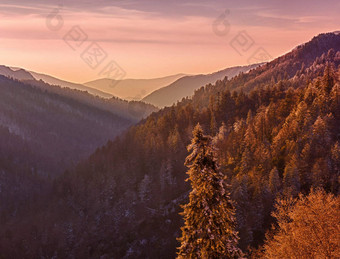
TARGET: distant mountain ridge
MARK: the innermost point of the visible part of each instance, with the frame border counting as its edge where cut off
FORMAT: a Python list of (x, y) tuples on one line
[(132, 89), (19, 74), (22, 75), (133, 110), (186, 86), (55, 81)]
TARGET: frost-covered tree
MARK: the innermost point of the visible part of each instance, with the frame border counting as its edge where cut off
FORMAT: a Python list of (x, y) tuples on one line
[(222, 134), (166, 176), (144, 188), (209, 230)]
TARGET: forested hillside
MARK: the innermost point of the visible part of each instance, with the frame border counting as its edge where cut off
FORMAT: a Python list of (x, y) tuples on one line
[(277, 133), (46, 129), (57, 129), (186, 86), (131, 110)]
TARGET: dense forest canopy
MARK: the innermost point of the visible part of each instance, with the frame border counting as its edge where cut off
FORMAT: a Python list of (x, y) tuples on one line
[(276, 129)]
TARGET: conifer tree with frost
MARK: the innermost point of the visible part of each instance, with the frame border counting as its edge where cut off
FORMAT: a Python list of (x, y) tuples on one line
[(209, 230)]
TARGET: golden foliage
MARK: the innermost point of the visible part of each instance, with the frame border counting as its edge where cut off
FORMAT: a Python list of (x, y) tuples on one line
[(308, 227)]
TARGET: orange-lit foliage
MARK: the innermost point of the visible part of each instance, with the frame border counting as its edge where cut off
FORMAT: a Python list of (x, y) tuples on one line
[(308, 227)]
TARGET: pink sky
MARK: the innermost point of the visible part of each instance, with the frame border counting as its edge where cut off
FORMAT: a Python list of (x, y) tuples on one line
[(149, 38)]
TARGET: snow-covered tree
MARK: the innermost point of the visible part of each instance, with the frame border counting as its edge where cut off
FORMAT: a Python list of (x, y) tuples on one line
[(209, 230), (144, 188), (222, 134), (166, 176)]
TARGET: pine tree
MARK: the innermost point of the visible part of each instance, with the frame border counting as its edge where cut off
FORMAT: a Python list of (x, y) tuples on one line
[(209, 230), (328, 79), (291, 180), (274, 181), (213, 124), (222, 134)]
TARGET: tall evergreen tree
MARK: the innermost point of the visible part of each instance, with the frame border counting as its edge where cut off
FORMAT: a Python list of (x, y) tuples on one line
[(209, 230)]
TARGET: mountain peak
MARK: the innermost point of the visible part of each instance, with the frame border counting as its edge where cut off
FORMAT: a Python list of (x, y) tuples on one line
[(19, 74)]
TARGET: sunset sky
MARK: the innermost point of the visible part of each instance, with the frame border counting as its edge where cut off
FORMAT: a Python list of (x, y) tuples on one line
[(154, 38)]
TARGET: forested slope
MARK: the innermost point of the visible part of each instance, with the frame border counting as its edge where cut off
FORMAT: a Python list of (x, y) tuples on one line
[(277, 136), (46, 129)]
